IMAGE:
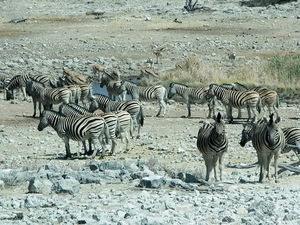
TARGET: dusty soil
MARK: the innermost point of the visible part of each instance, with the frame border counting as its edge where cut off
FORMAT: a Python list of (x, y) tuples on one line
[(71, 34)]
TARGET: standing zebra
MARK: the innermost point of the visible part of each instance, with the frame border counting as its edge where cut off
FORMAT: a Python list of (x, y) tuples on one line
[(75, 128), (133, 107), (18, 81), (157, 92), (236, 99), (192, 95), (269, 98), (212, 142), (292, 135), (117, 121), (237, 87), (112, 87), (86, 90), (268, 141), (110, 119), (47, 95)]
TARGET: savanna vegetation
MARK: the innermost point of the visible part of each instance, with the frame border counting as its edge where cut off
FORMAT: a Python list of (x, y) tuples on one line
[(280, 73)]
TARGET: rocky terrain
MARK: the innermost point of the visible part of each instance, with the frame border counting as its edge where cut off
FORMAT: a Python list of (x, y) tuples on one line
[(160, 180)]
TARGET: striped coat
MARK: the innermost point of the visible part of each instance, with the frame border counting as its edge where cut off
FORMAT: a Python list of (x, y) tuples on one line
[(236, 99), (133, 107), (268, 141), (47, 95), (74, 128), (212, 142), (152, 93), (192, 95)]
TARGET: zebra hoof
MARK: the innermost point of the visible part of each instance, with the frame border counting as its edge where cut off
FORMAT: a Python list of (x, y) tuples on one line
[(277, 181)]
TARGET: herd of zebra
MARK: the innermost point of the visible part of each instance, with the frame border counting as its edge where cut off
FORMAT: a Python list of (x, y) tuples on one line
[(123, 118)]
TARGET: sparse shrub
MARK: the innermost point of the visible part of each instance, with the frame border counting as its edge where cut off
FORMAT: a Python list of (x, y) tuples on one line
[(195, 73)]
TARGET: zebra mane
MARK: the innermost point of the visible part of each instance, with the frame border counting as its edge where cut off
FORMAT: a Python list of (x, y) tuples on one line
[(172, 84), (36, 82), (129, 82), (100, 95), (213, 84)]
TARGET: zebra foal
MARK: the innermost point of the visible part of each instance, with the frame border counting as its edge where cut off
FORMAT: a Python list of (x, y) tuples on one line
[(157, 92), (192, 95), (133, 107), (268, 141), (75, 128), (212, 142), (236, 99)]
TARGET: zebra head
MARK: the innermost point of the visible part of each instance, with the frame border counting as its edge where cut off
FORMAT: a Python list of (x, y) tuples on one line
[(210, 94), (122, 87), (247, 133), (172, 90), (94, 105), (219, 127), (43, 121), (272, 130)]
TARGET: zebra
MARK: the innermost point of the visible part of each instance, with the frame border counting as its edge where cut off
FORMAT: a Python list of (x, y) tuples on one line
[(237, 87), (212, 142), (236, 99), (192, 95), (269, 98), (75, 128), (17, 82), (46, 95), (110, 119), (292, 136), (268, 140), (133, 107), (112, 87), (157, 92), (86, 90)]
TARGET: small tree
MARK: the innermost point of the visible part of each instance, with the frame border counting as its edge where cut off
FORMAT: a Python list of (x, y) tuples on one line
[(189, 5)]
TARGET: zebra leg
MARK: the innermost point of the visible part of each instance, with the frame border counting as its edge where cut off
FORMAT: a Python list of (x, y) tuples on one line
[(239, 114), (276, 156), (161, 108), (209, 165), (40, 108), (24, 93), (221, 165), (34, 107), (263, 162), (269, 158), (113, 146), (214, 162), (67, 145), (276, 110), (188, 104)]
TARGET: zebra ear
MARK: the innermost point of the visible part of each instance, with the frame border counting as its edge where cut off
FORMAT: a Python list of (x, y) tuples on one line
[(171, 85), (278, 119)]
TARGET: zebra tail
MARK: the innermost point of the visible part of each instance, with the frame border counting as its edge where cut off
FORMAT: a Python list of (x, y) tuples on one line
[(141, 116), (118, 128), (131, 127), (258, 105)]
